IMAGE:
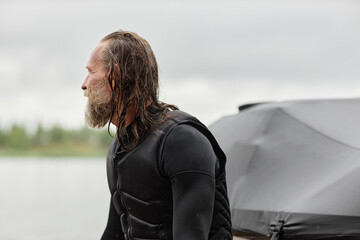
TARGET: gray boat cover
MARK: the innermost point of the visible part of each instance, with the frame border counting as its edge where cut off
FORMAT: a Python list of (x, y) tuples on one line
[(293, 169)]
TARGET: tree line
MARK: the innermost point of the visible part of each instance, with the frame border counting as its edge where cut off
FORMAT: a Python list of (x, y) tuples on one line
[(53, 141)]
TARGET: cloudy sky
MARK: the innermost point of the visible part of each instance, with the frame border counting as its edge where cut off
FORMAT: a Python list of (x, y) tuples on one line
[(213, 55)]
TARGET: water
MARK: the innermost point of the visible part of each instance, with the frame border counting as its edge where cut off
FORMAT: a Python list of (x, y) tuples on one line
[(53, 198)]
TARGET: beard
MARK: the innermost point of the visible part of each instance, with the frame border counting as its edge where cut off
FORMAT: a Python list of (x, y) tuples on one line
[(100, 104)]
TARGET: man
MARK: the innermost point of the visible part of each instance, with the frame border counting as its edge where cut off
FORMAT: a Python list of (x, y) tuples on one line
[(166, 172)]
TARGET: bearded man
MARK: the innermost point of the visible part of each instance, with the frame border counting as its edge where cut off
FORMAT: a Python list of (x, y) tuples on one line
[(166, 172)]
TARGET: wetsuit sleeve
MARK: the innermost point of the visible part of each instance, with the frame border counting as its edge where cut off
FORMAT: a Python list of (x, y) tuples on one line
[(189, 162), (113, 228)]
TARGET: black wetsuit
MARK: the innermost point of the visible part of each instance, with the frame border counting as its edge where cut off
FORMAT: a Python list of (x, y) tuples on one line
[(183, 173)]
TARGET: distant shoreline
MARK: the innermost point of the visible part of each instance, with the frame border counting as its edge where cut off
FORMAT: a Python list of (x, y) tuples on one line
[(56, 151), (54, 142)]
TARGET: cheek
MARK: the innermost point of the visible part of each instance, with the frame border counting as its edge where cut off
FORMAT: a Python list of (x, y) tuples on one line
[(93, 82)]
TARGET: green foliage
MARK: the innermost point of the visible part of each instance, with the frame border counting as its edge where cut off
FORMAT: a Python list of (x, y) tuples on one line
[(58, 135), (55, 141), (2, 137), (17, 137), (41, 137)]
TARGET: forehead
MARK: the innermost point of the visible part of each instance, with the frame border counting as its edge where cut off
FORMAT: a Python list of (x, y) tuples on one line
[(94, 60)]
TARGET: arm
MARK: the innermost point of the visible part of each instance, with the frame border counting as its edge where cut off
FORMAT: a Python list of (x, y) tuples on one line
[(113, 228), (189, 162)]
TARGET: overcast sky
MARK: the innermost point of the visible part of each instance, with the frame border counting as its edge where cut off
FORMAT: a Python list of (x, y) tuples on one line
[(212, 55)]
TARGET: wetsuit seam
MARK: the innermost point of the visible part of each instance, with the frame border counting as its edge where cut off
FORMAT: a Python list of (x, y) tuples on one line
[(192, 171)]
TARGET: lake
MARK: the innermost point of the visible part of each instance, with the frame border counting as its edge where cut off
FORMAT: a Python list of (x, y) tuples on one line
[(53, 198)]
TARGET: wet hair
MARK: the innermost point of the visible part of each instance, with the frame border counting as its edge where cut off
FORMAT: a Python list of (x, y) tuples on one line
[(133, 78)]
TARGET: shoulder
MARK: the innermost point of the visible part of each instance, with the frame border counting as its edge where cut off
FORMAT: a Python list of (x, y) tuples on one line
[(186, 149), (185, 134)]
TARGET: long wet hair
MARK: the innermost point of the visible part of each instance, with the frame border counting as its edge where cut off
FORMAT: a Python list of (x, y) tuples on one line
[(133, 78)]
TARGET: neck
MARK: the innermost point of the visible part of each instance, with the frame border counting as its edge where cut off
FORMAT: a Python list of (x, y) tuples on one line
[(130, 116)]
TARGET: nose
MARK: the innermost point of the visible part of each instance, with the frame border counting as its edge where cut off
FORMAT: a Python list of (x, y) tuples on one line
[(84, 85)]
